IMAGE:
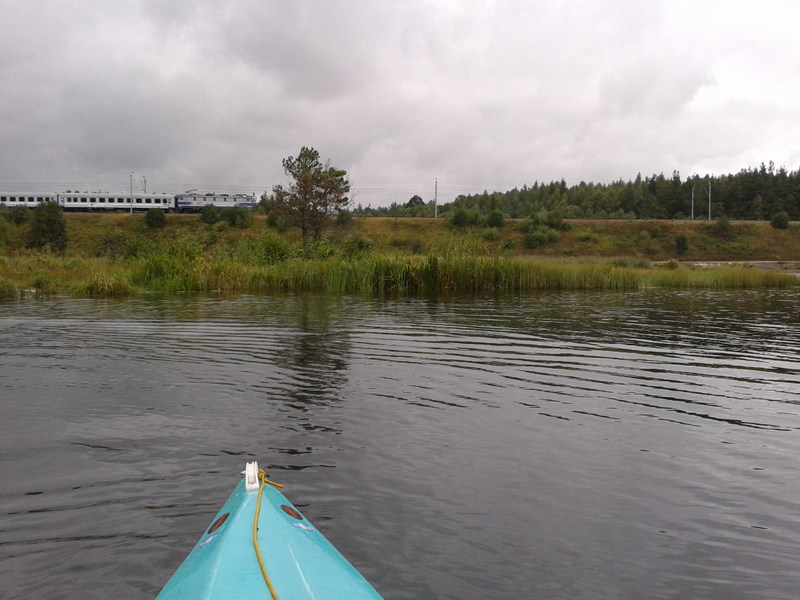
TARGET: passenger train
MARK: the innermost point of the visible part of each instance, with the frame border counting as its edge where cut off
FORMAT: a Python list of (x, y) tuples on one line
[(104, 202)]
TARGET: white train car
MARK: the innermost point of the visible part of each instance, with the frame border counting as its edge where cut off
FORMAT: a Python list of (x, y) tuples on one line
[(26, 200), (194, 201), (97, 201), (122, 202)]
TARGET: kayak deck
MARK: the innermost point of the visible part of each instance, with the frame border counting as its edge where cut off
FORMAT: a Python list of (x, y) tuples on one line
[(301, 564)]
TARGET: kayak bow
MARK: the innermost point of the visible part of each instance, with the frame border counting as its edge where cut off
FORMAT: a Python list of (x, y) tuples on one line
[(258, 527)]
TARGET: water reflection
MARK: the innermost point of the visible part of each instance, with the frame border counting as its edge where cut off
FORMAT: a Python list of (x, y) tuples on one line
[(314, 357)]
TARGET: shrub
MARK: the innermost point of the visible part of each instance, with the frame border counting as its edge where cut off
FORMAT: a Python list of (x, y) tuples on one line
[(272, 249), (495, 219), (209, 214), (238, 216), (356, 243), (681, 244), (48, 229), (277, 221), (316, 249), (780, 220), (344, 217), (155, 218), (460, 218), (548, 218), (17, 214), (539, 236), (491, 235)]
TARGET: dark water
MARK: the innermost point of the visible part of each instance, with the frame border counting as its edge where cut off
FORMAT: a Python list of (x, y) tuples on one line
[(634, 445)]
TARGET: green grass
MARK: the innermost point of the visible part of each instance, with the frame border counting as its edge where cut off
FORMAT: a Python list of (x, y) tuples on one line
[(116, 255)]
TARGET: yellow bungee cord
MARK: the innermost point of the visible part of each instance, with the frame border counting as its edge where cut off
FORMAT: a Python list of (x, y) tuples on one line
[(262, 478)]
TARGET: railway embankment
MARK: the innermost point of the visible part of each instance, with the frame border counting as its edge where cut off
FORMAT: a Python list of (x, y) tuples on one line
[(118, 254)]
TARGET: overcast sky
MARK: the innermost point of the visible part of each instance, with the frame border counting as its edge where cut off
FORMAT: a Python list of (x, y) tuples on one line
[(479, 94)]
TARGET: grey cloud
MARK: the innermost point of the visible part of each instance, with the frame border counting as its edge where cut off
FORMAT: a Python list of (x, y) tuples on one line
[(482, 94)]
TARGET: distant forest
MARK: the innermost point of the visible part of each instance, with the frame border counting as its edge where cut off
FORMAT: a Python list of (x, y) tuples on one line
[(753, 194)]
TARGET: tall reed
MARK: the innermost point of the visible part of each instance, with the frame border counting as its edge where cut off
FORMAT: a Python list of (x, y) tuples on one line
[(7, 289), (98, 283), (265, 265), (736, 277)]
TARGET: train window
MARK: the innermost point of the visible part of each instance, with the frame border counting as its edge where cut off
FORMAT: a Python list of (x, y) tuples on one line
[(84, 200), (138, 201), (148, 201)]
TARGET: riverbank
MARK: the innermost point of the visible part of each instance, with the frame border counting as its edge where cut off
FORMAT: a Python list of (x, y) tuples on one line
[(117, 255)]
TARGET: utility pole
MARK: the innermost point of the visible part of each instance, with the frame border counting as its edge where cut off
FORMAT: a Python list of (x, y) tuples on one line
[(436, 198), (144, 184), (131, 197)]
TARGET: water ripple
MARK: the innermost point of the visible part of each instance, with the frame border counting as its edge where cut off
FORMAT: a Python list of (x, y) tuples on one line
[(558, 445)]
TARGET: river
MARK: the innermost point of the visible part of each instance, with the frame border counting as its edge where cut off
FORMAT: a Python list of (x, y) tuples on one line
[(560, 445)]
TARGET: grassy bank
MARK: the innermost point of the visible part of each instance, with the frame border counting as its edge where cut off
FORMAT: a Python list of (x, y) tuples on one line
[(649, 240), (117, 255), (374, 273)]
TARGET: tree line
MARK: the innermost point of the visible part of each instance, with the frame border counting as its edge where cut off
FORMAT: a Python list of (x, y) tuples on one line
[(752, 194)]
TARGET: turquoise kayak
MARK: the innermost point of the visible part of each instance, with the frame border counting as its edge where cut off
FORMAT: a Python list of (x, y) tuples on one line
[(298, 562)]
